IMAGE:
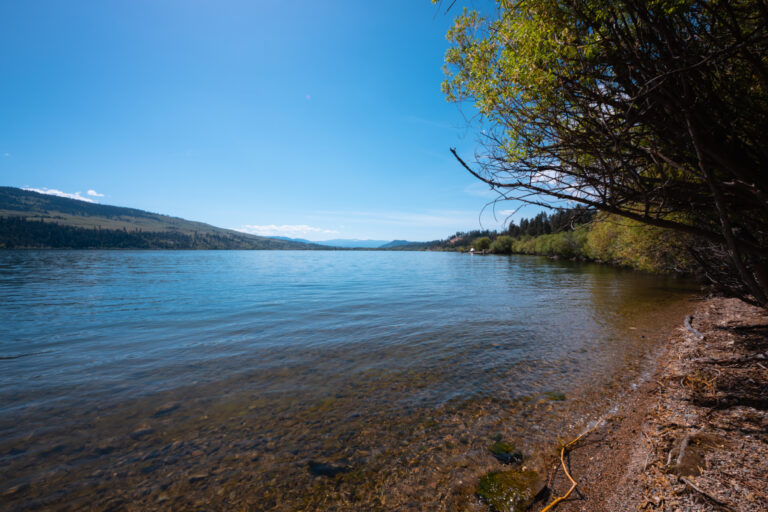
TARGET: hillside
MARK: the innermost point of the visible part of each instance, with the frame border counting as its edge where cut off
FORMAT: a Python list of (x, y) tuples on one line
[(33, 220), (405, 245)]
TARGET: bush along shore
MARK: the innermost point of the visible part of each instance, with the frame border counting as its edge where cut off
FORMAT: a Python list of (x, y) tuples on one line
[(582, 235), (693, 435)]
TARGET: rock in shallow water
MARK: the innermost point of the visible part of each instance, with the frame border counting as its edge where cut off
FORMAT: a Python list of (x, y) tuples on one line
[(15, 489), (506, 453), (165, 409), (323, 469), (510, 491), (142, 432)]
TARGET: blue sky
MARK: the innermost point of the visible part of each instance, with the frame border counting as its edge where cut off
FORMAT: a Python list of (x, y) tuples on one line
[(318, 120)]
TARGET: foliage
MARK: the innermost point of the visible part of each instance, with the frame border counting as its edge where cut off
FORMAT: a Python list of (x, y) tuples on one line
[(459, 241), (652, 111), (562, 219), (543, 223), (610, 239), (502, 245), (482, 244), (631, 243)]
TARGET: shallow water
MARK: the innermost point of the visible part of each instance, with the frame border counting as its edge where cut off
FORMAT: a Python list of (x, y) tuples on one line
[(301, 380)]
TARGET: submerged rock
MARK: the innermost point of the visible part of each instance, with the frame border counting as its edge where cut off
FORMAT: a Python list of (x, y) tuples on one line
[(510, 491), (15, 489), (142, 432), (107, 445), (165, 409), (323, 469), (196, 477), (506, 453)]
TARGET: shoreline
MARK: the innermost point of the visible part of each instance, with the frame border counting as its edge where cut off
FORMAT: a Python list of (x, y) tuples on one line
[(692, 435), (319, 427)]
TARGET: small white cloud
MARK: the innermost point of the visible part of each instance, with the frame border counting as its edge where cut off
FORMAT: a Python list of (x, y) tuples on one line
[(285, 230), (59, 193), (93, 193)]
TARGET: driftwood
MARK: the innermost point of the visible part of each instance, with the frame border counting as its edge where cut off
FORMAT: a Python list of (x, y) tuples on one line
[(705, 494), (690, 328), (684, 445), (563, 449), (732, 360)]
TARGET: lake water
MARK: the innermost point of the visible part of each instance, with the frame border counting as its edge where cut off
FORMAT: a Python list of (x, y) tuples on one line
[(302, 380)]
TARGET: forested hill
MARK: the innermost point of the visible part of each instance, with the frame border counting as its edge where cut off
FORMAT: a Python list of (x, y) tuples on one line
[(33, 220)]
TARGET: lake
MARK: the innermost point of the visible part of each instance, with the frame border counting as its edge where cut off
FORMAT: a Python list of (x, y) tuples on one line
[(290, 380)]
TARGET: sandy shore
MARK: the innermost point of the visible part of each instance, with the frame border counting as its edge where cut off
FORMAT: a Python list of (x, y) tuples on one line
[(693, 436)]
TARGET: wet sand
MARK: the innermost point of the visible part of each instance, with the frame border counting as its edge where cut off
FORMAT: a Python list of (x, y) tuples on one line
[(694, 436)]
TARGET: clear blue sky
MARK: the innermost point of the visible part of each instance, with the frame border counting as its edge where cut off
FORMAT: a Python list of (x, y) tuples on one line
[(319, 119)]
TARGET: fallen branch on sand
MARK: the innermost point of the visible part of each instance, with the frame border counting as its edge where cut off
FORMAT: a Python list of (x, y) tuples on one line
[(683, 447), (688, 326), (705, 494), (563, 449)]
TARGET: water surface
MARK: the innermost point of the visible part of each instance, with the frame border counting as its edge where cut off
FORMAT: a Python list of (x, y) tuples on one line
[(168, 379)]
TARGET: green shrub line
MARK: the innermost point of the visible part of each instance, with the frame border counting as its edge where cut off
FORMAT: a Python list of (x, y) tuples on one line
[(606, 239)]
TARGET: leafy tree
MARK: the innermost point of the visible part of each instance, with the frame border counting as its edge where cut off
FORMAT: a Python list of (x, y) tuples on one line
[(482, 244), (656, 111), (543, 224), (502, 245)]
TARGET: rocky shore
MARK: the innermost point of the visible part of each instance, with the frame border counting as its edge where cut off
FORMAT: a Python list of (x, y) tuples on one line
[(693, 436)]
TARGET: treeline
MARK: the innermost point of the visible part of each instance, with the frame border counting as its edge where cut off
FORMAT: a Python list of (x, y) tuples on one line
[(545, 224), (542, 224), (607, 239), (460, 240), (583, 235), (21, 233)]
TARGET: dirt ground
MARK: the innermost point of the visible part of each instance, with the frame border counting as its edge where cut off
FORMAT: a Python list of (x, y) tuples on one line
[(693, 436)]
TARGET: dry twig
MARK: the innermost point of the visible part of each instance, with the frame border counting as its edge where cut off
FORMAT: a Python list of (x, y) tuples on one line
[(563, 449), (690, 328), (705, 494)]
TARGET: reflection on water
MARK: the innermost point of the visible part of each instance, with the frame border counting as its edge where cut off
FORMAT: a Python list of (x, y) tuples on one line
[(300, 380)]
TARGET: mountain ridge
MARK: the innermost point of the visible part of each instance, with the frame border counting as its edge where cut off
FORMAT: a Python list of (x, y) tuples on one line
[(355, 243), (29, 219)]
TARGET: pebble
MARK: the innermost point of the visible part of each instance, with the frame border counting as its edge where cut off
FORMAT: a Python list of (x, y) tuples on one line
[(15, 489), (165, 409), (136, 434), (107, 445)]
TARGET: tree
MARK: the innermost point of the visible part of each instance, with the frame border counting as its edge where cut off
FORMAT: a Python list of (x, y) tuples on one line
[(656, 111), (482, 244)]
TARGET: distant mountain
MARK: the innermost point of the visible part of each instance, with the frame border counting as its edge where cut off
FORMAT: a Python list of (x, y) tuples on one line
[(401, 244), (302, 240), (353, 243), (33, 220)]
